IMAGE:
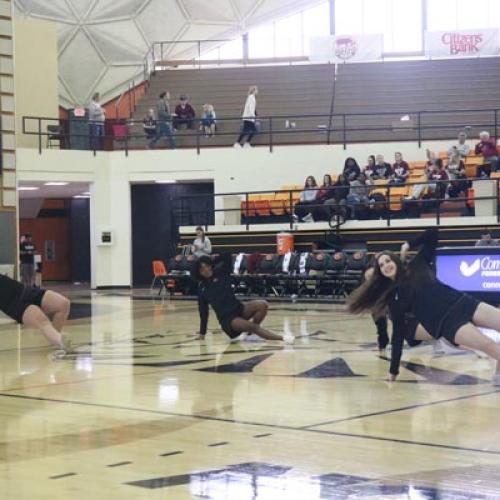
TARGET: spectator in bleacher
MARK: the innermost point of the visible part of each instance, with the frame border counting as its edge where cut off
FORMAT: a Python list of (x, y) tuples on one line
[(305, 207), (351, 169), (369, 169), (201, 245), (400, 169), (149, 124), (97, 117), (358, 196), (325, 193), (438, 173), (163, 124), (383, 169), (487, 147), (249, 127), (340, 191), (487, 240), (208, 120), (457, 175), (184, 113), (461, 148)]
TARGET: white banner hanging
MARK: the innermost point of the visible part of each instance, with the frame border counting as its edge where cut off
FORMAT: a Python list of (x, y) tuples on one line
[(346, 48), (461, 43)]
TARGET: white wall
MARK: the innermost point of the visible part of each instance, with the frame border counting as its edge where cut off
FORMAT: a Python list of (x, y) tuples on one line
[(110, 176)]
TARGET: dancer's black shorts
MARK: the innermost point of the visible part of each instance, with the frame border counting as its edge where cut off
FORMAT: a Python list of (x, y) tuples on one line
[(29, 296), (225, 322), (459, 315)]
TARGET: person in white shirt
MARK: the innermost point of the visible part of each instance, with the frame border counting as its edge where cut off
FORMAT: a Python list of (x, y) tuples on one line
[(249, 118), (97, 116), (461, 148), (201, 245)]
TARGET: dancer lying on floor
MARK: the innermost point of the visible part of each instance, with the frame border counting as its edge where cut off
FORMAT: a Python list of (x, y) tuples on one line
[(32, 307), (414, 295), (235, 318)]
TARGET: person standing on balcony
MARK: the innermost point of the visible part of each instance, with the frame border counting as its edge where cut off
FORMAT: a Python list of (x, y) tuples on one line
[(97, 117), (249, 128), (163, 125), (487, 146)]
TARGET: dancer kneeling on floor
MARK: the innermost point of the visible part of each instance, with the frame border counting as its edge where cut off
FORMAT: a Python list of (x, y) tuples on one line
[(235, 318), (32, 307), (415, 297)]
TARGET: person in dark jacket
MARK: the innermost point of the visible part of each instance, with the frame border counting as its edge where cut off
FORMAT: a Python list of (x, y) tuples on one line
[(235, 318), (414, 296), (351, 169), (339, 192), (184, 114)]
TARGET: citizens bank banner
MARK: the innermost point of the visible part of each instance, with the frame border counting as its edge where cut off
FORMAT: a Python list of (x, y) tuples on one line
[(346, 48), (470, 272), (461, 43)]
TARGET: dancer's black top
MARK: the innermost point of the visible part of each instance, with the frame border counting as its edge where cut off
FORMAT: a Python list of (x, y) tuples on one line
[(420, 295), (10, 290), (218, 293)]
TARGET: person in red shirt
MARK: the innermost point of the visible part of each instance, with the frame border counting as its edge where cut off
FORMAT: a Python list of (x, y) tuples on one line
[(400, 169), (487, 147)]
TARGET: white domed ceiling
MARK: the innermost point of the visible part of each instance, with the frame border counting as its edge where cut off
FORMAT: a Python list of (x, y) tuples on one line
[(103, 43)]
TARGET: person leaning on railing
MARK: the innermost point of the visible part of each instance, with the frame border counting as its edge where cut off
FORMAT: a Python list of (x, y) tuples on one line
[(97, 117)]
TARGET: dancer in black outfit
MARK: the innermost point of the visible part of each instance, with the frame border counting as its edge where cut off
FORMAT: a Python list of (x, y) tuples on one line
[(413, 294), (31, 307), (235, 318)]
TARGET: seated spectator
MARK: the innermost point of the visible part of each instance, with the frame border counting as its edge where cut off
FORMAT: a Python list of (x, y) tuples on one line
[(351, 169), (149, 124), (487, 240), (431, 159), (184, 113), (487, 147), (457, 175), (420, 191), (400, 169), (305, 207), (358, 195), (326, 192), (208, 120), (461, 148), (369, 170), (340, 191), (438, 173), (382, 169)]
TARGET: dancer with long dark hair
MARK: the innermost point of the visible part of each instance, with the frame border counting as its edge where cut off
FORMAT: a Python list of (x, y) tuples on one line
[(414, 296), (235, 318)]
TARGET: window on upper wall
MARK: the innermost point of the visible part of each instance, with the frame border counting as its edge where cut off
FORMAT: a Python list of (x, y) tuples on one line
[(228, 50), (290, 36), (400, 21), (462, 14)]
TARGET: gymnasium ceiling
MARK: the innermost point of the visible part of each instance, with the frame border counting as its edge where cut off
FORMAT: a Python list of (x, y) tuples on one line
[(103, 43)]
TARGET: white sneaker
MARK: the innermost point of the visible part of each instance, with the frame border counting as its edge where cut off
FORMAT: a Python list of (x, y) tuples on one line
[(288, 339), (444, 348), (491, 334), (308, 218), (240, 338), (237, 145), (247, 145)]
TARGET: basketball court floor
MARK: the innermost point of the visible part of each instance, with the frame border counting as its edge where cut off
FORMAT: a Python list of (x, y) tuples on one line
[(146, 411)]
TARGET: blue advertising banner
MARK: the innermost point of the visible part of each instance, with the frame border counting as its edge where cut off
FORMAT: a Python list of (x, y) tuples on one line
[(470, 272)]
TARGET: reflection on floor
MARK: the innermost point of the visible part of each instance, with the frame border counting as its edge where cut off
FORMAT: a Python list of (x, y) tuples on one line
[(146, 411)]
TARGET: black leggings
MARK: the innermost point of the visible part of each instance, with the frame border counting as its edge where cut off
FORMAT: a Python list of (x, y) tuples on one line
[(249, 129), (382, 335)]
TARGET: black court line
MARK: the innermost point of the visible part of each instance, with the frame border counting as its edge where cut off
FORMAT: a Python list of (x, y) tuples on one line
[(119, 464), (222, 443), (258, 436), (261, 424), (171, 453), (60, 476), (402, 408)]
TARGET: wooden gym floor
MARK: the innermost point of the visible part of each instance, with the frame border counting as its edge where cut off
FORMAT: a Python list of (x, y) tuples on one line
[(144, 411)]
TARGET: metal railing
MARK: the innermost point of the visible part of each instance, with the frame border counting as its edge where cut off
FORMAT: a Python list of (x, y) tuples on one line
[(328, 128), (389, 208)]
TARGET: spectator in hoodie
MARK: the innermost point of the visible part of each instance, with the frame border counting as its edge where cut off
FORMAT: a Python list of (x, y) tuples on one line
[(358, 195), (184, 113), (382, 168), (340, 191), (305, 207)]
